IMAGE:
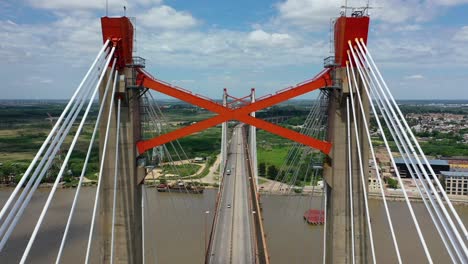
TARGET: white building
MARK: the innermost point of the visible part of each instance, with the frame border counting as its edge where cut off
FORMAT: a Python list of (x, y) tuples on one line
[(456, 182)]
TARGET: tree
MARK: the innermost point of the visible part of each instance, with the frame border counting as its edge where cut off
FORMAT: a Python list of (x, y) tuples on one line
[(272, 171), (392, 183), (261, 168)]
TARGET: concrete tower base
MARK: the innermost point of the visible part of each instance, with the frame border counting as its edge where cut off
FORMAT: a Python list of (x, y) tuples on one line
[(127, 243)]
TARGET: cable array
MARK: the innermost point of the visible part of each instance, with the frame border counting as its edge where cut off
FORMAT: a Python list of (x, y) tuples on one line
[(17, 202), (384, 108), (300, 156)]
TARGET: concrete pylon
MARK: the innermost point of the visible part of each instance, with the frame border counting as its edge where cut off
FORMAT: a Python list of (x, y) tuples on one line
[(253, 141), (128, 228), (338, 222), (224, 147)]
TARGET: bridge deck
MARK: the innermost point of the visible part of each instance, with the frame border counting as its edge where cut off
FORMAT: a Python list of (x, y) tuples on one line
[(233, 237)]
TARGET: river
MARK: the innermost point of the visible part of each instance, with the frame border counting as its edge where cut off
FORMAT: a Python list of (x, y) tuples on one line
[(176, 224)]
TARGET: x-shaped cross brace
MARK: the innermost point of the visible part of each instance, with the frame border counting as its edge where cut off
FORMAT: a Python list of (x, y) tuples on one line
[(241, 114)]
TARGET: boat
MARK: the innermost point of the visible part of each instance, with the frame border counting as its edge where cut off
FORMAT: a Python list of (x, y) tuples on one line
[(314, 217), (180, 187)]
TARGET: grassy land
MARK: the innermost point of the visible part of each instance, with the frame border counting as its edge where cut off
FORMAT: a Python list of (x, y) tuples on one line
[(181, 170), (23, 128), (261, 180), (210, 161), (272, 149), (274, 156), (203, 144)]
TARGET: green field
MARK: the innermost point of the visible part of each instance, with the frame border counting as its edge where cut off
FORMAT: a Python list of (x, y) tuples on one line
[(181, 170), (271, 149), (274, 156), (24, 127)]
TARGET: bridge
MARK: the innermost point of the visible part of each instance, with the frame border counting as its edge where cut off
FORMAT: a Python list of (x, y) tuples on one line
[(232, 234), (351, 88)]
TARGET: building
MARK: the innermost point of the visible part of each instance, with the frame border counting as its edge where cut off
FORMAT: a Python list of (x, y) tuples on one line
[(437, 166), (456, 182), (198, 160)]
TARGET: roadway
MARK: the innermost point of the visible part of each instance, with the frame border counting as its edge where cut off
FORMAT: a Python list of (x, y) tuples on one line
[(233, 234)]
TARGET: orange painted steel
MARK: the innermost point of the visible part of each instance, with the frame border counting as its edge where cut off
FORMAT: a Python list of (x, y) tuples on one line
[(120, 31), (241, 114), (241, 100), (179, 133)]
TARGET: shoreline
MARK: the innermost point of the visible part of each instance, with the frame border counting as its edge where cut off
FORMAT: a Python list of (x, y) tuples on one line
[(462, 200)]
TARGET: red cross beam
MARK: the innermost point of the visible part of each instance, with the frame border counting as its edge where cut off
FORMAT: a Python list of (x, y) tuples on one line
[(241, 114)]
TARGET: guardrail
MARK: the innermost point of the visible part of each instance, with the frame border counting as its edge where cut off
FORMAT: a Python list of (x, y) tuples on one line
[(262, 251), (215, 219)]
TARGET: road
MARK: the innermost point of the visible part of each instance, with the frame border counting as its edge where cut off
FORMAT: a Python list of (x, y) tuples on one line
[(233, 234)]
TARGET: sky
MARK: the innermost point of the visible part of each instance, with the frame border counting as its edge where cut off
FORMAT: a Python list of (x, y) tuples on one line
[(46, 46)]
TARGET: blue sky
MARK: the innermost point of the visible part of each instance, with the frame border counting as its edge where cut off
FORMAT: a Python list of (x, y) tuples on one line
[(421, 46)]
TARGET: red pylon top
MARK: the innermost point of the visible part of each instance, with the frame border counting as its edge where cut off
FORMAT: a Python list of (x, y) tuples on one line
[(120, 31), (349, 28)]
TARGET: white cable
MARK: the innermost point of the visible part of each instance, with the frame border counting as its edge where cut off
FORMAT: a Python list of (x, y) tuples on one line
[(16, 215), (291, 150), (101, 168), (83, 171), (413, 216), (448, 231), (64, 165), (143, 194), (361, 169), (405, 153), (426, 204), (49, 137), (350, 179), (374, 159), (416, 156), (295, 150), (116, 172), (325, 190), (48, 159), (444, 194)]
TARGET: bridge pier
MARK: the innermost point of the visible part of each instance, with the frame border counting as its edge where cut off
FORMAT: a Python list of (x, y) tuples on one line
[(128, 228), (224, 143), (338, 227), (253, 142), (339, 237)]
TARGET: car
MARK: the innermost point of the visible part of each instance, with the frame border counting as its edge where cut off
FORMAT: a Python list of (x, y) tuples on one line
[(229, 206), (228, 172)]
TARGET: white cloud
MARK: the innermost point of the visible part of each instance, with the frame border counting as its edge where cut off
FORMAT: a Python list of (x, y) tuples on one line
[(166, 17), (450, 2), (225, 48), (316, 14), (264, 55), (148, 2), (260, 37), (68, 5), (462, 34), (310, 14), (408, 28), (414, 77)]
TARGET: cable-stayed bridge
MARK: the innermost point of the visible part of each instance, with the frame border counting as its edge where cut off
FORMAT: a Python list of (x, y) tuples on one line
[(131, 127)]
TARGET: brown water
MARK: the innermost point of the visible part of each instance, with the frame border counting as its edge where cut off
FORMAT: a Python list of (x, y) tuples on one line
[(176, 223)]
